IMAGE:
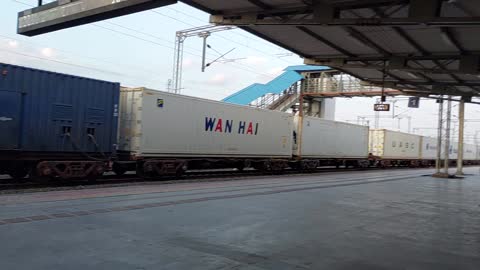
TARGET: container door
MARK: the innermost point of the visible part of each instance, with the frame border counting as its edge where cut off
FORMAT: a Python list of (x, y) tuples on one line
[(10, 104)]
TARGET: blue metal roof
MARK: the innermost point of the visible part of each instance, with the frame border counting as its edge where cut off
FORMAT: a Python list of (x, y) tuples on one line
[(301, 68), (290, 76), (248, 93), (256, 90)]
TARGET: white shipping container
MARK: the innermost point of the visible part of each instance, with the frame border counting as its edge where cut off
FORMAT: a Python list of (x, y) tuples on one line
[(320, 138), (469, 152), (428, 148), (160, 124), (453, 150), (394, 145)]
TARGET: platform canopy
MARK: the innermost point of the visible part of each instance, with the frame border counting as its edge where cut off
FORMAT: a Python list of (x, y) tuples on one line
[(61, 14), (418, 46)]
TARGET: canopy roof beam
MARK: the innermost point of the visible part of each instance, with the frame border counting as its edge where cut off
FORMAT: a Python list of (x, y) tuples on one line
[(342, 64), (261, 18)]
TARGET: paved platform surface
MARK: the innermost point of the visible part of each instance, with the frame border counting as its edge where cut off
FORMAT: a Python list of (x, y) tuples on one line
[(392, 219)]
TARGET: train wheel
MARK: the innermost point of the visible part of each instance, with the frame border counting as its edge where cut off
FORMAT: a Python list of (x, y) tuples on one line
[(92, 178), (140, 172), (34, 176), (240, 167), (267, 167), (96, 173), (179, 173), (118, 169), (18, 173)]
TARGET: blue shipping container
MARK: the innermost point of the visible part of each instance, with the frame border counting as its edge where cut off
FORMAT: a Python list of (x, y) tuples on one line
[(42, 111)]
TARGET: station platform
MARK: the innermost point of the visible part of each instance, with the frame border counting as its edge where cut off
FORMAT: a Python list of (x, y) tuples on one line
[(383, 219)]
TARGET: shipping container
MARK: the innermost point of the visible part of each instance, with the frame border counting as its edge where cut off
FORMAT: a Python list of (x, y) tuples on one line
[(389, 144), (428, 150), (320, 138), (160, 124), (469, 151), (47, 116), (37, 109), (453, 150)]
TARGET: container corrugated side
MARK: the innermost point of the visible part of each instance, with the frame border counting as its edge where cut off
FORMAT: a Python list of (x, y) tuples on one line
[(321, 138), (46, 104), (130, 119), (169, 125), (376, 141), (396, 145)]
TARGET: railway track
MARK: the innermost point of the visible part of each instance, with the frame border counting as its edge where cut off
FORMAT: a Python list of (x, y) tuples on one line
[(8, 186)]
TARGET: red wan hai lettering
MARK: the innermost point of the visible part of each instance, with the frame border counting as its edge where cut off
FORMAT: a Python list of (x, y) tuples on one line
[(228, 126)]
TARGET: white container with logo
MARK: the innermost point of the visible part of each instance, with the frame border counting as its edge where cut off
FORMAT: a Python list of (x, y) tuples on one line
[(161, 124), (390, 144)]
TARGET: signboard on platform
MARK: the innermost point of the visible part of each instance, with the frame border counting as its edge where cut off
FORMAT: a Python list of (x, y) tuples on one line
[(63, 14), (381, 107), (413, 102)]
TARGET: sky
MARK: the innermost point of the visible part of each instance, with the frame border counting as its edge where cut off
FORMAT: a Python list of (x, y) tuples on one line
[(137, 50)]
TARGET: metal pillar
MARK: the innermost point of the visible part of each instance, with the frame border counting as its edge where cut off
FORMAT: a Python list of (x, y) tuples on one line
[(394, 116), (178, 63), (461, 126), (180, 36), (309, 107), (447, 135), (409, 118), (204, 51), (300, 124), (438, 162)]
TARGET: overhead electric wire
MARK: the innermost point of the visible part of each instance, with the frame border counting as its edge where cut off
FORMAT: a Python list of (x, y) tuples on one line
[(198, 19), (219, 36), (143, 33), (232, 32), (233, 64), (76, 54), (58, 61)]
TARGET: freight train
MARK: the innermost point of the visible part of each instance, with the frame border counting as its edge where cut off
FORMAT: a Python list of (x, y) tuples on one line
[(61, 126)]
